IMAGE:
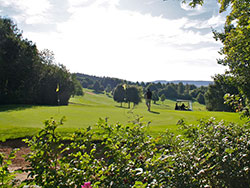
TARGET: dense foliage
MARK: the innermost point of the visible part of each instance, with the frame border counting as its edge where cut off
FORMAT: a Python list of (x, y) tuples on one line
[(223, 84), (209, 154), (133, 95), (119, 94), (128, 94), (105, 83), (6, 176), (28, 76), (236, 50)]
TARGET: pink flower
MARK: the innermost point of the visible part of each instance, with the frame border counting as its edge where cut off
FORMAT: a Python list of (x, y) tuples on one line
[(87, 185)]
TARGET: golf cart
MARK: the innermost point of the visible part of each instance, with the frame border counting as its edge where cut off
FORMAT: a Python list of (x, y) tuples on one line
[(182, 104)]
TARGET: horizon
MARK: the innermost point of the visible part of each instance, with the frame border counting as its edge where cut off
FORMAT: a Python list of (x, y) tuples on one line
[(149, 81), (141, 40)]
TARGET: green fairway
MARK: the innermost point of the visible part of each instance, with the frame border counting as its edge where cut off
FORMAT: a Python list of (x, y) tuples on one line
[(19, 121)]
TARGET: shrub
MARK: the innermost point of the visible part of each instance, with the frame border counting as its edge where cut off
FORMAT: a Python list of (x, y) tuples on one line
[(209, 154), (6, 176), (60, 162), (215, 154)]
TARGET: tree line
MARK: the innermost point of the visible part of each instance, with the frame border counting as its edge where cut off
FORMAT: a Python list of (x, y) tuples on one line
[(121, 89), (30, 76), (212, 96)]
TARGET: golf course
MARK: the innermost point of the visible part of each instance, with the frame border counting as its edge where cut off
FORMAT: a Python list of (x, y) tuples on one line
[(125, 94), (17, 121)]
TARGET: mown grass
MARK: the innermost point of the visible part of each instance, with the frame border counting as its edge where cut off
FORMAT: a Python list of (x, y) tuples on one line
[(23, 120)]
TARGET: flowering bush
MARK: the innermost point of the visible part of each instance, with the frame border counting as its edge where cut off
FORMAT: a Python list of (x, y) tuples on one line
[(209, 154), (216, 154), (87, 185)]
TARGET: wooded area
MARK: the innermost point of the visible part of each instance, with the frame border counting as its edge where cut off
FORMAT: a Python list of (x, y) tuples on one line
[(28, 76)]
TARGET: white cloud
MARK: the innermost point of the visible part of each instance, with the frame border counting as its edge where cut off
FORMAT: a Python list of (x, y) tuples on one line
[(213, 22), (101, 40), (31, 11), (216, 21), (77, 2), (75, 5), (5, 3)]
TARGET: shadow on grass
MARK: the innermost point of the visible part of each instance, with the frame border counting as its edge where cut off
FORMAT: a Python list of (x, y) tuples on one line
[(154, 112), (81, 104), (156, 104), (18, 107), (122, 107), (14, 107)]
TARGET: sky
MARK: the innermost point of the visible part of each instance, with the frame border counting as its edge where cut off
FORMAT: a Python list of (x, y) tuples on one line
[(136, 40)]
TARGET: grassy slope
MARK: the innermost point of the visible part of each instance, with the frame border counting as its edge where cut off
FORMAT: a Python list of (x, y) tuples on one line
[(19, 121)]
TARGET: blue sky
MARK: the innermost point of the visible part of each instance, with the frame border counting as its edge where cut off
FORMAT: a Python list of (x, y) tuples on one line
[(136, 40)]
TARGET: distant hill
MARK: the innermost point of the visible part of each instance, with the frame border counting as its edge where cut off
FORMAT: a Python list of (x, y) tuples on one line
[(88, 80), (190, 82)]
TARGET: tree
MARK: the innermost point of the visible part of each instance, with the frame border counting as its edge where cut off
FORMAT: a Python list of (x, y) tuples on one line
[(236, 45), (97, 87), (52, 76), (151, 87), (235, 39), (187, 89), (159, 85), (108, 88), (19, 63), (132, 95), (155, 96), (78, 90), (171, 92), (119, 94), (195, 92), (214, 96), (163, 98), (27, 76), (181, 88), (201, 98)]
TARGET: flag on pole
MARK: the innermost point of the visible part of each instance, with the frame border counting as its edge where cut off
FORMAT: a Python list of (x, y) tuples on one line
[(57, 88), (124, 86)]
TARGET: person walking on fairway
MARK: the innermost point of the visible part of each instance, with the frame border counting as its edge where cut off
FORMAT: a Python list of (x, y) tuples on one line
[(148, 97)]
